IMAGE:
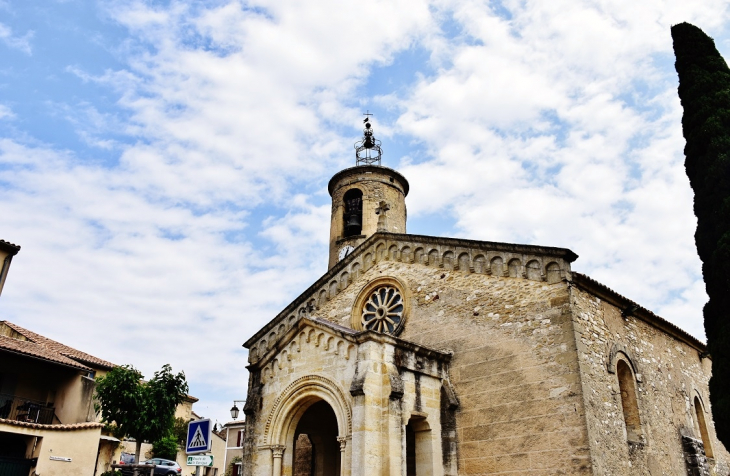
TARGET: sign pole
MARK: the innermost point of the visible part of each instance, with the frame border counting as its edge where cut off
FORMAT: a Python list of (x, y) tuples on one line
[(199, 440)]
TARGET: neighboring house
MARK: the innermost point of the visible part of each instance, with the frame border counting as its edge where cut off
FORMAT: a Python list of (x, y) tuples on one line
[(441, 356), (234, 432), (47, 421)]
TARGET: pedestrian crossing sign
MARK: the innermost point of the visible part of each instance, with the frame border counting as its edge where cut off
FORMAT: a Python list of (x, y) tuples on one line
[(199, 436)]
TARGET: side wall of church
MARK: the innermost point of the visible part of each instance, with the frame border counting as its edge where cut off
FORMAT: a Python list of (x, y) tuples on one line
[(670, 377), (514, 366)]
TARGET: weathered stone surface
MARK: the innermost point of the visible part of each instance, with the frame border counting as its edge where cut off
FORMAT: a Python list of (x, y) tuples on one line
[(507, 363)]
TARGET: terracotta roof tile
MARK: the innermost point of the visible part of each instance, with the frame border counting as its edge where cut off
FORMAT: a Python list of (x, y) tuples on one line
[(56, 347), (40, 426), (35, 350), (9, 247)]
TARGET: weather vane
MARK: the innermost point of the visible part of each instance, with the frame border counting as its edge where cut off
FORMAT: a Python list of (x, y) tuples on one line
[(368, 151)]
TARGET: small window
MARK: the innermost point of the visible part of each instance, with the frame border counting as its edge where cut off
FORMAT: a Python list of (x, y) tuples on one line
[(534, 272), (629, 403), (515, 268), (496, 266), (553, 273)]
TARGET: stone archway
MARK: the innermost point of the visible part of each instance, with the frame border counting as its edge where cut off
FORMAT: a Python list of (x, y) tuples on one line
[(326, 400), (316, 449)]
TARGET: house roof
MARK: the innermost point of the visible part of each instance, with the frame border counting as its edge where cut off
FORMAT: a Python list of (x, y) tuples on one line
[(241, 423), (9, 247), (37, 351), (49, 349), (41, 426)]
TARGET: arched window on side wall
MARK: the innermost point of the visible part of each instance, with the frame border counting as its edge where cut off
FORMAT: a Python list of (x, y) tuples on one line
[(515, 268), (629, 403), (553, 273), (353, 212), (700, 419)]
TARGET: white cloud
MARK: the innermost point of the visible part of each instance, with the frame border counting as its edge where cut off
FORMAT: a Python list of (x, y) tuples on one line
[(20, 43), (555, 125), (551, 123), (6, 112)]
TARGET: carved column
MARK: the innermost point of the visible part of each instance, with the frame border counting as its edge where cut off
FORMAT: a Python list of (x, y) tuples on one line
[(343, 461), (277, 451)]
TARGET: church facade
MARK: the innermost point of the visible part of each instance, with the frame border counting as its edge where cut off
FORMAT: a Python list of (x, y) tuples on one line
[(420, 355)]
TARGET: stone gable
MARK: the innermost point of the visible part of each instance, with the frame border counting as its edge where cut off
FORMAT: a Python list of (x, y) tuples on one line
[(506, 362), (467, 256)]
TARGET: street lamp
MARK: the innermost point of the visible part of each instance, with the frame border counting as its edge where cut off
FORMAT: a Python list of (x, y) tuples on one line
[(234, 410)]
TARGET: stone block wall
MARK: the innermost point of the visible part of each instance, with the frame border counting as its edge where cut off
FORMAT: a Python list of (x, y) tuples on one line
[(312, 354), (534, 363), (376, 184), (670, 375), (514, 367)]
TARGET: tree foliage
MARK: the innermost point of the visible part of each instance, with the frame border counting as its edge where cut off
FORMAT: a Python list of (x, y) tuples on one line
[(165, 448), (704, 90), (142, 410), (180, 430)]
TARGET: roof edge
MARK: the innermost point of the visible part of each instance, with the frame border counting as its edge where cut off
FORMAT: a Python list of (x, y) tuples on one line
[(11, 248), (368, 168), (564, 253), (351, 335), (63, 427), (77, 366), (609, 295)]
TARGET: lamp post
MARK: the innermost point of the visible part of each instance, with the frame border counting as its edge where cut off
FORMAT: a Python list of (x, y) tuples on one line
[(234, 410), (234, 415)]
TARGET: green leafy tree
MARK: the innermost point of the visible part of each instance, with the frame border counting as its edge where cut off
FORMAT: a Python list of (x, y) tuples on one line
[(142, 410), (165, 448), (704, 90), (180, 430)]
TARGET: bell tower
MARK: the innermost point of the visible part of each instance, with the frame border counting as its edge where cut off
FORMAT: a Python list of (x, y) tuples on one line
[(366, 198)]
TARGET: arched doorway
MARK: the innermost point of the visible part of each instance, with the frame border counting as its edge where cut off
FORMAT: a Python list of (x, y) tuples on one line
[(316, 449), (419, 447), (311, 398)]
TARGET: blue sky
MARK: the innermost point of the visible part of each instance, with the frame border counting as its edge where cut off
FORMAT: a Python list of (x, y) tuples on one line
[(164, 164)]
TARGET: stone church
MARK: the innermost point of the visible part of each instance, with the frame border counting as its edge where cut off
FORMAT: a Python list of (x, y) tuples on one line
[(422, 355)]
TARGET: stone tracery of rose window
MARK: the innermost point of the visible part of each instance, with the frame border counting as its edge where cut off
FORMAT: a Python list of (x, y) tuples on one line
[(383, 310)]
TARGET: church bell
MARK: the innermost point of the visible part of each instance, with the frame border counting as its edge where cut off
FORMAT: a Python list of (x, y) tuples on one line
[(353, 224)]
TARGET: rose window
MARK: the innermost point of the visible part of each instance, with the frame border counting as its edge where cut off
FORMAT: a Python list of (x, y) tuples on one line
[(383, 310)]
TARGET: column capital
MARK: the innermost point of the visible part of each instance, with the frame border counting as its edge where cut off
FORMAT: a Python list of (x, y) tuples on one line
[(343, 442), (277, 450)]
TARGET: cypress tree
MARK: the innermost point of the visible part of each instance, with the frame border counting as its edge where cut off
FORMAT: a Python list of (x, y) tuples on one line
[(704, 90)]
